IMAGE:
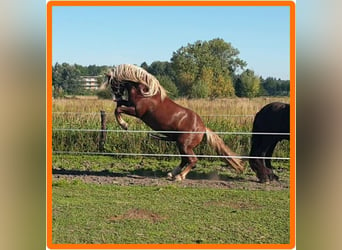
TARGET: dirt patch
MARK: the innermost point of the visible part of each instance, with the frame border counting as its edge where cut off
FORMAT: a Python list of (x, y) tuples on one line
[(247, 182), (138, 214)]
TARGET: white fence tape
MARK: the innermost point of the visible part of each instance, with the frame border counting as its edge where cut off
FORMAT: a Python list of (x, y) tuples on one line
[(164, 132), (169, 155)]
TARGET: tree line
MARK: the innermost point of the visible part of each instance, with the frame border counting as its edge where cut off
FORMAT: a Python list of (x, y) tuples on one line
[(204, 69)]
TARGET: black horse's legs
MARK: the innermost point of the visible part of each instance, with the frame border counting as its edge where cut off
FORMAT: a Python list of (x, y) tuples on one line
[(256, 164), (269, 153), (259, 149), (259, 168)]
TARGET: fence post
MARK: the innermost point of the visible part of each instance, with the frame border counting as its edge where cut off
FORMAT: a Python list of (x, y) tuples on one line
[(103, 132)]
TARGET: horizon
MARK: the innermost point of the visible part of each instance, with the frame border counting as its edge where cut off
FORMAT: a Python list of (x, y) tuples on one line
[(112, 35)]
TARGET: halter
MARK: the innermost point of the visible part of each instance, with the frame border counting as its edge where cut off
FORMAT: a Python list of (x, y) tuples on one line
[(118, 89)]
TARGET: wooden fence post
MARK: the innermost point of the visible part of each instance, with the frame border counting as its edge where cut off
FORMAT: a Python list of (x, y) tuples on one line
[(103, 133)]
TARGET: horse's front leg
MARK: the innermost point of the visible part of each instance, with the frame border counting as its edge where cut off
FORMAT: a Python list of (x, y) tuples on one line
[(126, 110)]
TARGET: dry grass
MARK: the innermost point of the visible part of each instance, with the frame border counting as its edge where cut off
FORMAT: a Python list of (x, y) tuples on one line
[(231, 114), (226, 106)]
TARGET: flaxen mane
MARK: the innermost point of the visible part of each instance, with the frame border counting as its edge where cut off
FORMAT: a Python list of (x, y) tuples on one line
[(129, 72)]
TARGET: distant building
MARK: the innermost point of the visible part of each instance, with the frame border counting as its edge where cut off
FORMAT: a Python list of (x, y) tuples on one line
[(90, 82)]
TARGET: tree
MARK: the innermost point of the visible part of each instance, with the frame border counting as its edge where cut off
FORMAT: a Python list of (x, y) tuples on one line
[(57, 92), (285, 87), (169, 85), (66, 77), (199, 90), (273, 86), (248, 84), (270, 85), (144, 65), (158, 68), (213, 63), (164, 72)]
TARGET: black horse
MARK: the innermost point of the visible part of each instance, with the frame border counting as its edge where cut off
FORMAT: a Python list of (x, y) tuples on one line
[(272, 118)]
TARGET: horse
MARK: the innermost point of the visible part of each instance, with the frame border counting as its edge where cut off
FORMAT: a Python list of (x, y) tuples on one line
[(147, 100), (272, 118)]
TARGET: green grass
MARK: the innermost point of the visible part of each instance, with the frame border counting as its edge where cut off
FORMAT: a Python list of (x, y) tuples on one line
[(169, 213), (90, 213)]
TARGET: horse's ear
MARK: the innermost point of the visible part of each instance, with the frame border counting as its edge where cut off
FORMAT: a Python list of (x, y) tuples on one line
[(110, 73), (104, 85)]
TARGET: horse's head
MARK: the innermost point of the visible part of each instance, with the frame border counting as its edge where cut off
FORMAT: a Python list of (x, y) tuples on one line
[(118, 89), (125, 76)]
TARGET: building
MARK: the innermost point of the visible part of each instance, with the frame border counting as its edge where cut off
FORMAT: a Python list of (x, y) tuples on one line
[(90, 82)]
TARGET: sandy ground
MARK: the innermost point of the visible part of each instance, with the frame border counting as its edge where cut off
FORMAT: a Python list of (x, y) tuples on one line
[(105, 177)]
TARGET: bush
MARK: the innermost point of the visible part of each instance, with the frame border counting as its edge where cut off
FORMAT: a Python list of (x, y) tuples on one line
[(168, 85), (104, 94), (199, 90), (58, 92)]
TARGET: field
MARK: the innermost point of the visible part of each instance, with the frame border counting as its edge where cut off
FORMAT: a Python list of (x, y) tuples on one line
[(223, 115), (117, 199)]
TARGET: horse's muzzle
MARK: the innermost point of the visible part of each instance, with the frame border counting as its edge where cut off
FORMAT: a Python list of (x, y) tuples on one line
[(117, 98)]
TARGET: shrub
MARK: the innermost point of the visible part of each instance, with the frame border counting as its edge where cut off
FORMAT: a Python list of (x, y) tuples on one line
[(104, 94)]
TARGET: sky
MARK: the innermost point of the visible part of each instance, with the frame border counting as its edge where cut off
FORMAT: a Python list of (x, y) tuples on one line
[(112, 35)]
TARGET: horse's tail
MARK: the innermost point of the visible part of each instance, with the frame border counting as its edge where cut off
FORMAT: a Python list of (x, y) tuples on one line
[(218, 144)]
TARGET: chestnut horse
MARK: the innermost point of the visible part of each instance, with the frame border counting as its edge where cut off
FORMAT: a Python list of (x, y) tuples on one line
[(148, 101), (272, 118)]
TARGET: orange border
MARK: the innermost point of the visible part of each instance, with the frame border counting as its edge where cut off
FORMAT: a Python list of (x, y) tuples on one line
[(290, 4)]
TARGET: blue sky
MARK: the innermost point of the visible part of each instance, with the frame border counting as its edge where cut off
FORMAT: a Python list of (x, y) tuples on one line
[(104, 35)]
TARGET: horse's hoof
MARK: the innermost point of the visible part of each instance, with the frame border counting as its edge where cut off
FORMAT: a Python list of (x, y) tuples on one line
[(179, 177), (274, 177), (124, 127), (170, 176), (264, 180)]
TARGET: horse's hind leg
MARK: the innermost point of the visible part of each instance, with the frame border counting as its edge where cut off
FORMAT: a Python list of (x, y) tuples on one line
[(268, 164), (178, 169), (260, 145), (191, 162), (185, 145), (256, 150)]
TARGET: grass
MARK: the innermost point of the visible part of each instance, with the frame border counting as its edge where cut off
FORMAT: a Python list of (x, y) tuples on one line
[(171, 213), (89, 213), (152, 167)]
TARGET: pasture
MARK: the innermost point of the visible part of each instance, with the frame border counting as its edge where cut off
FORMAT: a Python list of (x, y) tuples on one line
[(107, 199)]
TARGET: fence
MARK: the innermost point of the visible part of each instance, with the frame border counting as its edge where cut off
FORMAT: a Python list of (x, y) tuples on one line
[(94, 143)]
